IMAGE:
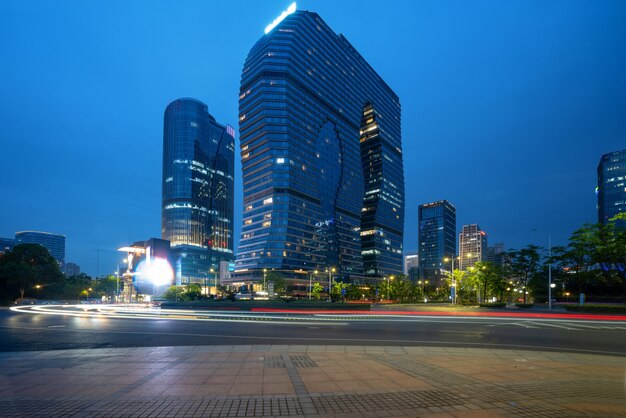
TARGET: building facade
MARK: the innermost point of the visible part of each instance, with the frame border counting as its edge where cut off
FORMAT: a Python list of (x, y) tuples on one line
[(198, 189), (6, 244), (55, 243), (321, 157), (436, 238), (411, 266), (71, 269), (472, 246), (495, 254), (611, 189)]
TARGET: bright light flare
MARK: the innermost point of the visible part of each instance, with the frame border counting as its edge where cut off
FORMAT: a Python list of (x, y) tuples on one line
[(158, 272), (290, 10)]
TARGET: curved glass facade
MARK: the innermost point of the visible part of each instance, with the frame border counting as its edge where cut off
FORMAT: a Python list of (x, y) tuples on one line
[(198, 181), (311, 164), (55, 243)]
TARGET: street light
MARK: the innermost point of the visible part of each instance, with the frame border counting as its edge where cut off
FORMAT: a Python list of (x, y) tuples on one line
[(311, 284), (389, 278), (330, 282), (264, 273), (549, 267), (451, 260), (214, 278)]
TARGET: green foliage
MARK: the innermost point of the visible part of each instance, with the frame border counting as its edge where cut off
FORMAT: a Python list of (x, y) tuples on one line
[(25, 267), (522, 265), (277, 278), (337, 288), (194, 291), (403, 291), (174, 293), (492, 305), (317, 290), (106, 286), (615, 309)]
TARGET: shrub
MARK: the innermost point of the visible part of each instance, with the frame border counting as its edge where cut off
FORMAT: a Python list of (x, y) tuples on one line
[(524, 305), (615, 309), (492, 304)]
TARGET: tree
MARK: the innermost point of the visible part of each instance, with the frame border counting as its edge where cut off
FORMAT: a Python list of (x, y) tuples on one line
[(26, 266), (106, 286), (276, 278), (611, 249), (194, 291), (337, 288), (489, 279), (317, 290), (401, 289), (523, 265), (455, 279), (175, 293)]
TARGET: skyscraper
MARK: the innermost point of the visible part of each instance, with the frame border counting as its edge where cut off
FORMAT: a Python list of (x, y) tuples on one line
[(55, 243), (436, 237), (611, 185), (6, 244), (472, 246), (321, 156), (495, 253), (198, 194)]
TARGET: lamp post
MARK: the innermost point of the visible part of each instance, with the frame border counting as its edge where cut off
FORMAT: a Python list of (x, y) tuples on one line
[(451, 260), (214, 278), (311, 283), (331, 270), (264, 274), (549, 267)]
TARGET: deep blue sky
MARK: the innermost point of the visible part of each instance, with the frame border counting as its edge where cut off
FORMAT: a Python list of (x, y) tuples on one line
[(507, 106)]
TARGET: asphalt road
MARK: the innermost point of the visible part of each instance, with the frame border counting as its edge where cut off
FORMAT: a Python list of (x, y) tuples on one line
[(25, 331)]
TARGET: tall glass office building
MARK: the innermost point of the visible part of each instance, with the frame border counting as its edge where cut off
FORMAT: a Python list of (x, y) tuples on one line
[(55, 243), (436, 238), (611, 186), (198, 193), (321, 156)]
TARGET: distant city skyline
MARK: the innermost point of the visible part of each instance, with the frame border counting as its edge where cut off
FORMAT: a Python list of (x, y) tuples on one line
[(506, 108)]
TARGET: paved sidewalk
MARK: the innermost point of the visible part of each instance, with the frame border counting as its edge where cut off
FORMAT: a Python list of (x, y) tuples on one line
[(311, 381)]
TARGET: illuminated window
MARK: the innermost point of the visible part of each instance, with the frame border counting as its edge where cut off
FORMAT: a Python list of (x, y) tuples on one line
[(268, 201), (280, 161)]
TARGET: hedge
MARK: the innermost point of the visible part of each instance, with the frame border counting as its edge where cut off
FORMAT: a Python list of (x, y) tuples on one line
[(493, 305), (616, 309), (524, 305)]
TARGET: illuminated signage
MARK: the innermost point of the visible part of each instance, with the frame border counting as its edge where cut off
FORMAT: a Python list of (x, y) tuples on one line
[(280, 18)]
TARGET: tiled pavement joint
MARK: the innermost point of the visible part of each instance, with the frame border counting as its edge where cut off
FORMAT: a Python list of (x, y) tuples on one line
[(305, 401)]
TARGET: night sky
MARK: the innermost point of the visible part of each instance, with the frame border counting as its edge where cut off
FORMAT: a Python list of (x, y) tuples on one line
[(507, 107)]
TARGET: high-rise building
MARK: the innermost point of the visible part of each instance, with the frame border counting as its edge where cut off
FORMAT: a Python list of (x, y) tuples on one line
[(611, 185), (6, 244), (198, 189), (71, 269), (494, 253), (411, 266), (436, 238), (321, 156), (55, 243), (472, 246)]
